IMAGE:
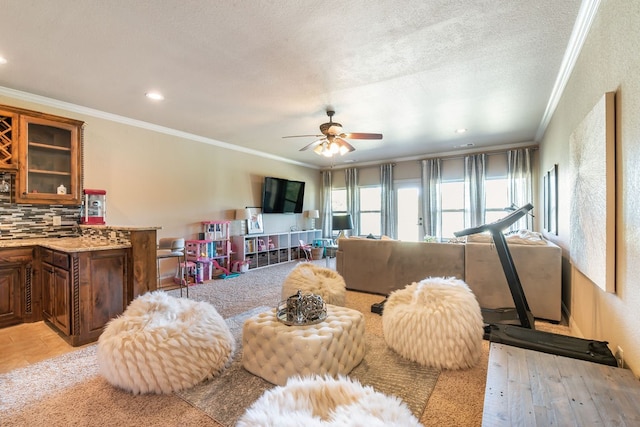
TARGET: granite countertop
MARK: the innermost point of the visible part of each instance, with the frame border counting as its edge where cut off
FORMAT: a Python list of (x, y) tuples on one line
[(65, 244), (121, 227)]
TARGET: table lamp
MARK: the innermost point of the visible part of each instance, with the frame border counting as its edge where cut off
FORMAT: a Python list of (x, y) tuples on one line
[(312, 215), (340, 223), (243, 215)]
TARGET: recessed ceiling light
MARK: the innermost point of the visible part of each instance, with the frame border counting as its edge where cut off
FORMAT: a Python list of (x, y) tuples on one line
[(156, 96), (467, 145), (461, 130), (3, 60)]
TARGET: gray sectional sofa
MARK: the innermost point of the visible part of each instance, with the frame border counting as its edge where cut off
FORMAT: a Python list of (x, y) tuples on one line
[(382, 266)]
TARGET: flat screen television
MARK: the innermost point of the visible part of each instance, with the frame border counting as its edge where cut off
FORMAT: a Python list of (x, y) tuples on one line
[(282, 195)]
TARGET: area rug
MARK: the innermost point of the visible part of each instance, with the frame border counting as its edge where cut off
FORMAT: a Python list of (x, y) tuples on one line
[(226, 397)]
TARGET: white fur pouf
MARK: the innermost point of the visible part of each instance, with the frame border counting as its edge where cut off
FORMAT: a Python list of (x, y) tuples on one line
[(317, 280), (324, 401), (436, 322), (162, 344)]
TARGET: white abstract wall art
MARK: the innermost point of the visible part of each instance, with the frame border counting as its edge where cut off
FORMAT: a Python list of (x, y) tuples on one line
[(592, 170)]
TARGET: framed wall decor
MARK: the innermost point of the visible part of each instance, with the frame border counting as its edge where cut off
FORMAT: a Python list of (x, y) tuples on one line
[(254, 223), (552, 210), (545, 199), (592, 184)]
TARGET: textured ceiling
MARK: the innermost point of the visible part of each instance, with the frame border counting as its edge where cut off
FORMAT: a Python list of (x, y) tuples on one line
[(249, 72)]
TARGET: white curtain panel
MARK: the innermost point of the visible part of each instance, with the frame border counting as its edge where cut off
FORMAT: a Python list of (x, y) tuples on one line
[(474, 189), (388, 210), (519, 175), (431, 179), (353, 198), (325, 198)]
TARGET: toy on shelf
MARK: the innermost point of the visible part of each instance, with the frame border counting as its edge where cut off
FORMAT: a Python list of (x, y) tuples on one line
[(213, 245), (240, 266), (261, 245), (271, 245)]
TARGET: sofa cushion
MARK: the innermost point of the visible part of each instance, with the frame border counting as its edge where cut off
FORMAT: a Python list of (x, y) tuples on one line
[(382, 266)]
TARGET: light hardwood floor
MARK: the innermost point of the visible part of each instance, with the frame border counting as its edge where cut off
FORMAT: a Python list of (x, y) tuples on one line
[(28, 343)]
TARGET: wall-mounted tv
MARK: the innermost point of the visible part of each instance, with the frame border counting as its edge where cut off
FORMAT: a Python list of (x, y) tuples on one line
[(282, 195)]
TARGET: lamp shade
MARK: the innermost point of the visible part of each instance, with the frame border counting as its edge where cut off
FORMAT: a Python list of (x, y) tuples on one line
[(342, 222), (243, 214), (313, 214)]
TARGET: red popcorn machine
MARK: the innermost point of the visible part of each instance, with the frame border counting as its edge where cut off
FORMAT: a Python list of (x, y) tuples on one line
[(94, 206)]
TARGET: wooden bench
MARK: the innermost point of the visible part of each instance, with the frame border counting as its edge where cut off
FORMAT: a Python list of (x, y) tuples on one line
[(530, 388)]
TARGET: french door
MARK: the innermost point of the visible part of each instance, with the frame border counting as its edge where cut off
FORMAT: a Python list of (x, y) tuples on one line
[(409, 216)]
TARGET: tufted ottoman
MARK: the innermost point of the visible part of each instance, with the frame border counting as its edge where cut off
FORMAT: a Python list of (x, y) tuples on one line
[(436, 322), (310, 278), (275, 351)]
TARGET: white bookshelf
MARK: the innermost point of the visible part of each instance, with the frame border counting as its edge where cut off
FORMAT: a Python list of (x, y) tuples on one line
[(264, 250)]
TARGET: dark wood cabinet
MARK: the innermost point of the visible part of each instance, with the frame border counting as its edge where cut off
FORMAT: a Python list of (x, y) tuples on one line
[(8, 139), (16, 291), (82, 291), (46, 151), (10, 295), (50, 160), (55, 292)]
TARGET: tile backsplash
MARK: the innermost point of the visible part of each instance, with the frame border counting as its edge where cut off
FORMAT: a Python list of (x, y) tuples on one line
[(33, 221)]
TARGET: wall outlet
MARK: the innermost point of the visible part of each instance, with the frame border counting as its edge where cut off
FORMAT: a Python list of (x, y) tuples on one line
[(620, 357), (112, 235), (57, 220)]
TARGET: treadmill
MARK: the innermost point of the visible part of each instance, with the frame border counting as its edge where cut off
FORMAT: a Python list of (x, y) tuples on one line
[(515, 326)]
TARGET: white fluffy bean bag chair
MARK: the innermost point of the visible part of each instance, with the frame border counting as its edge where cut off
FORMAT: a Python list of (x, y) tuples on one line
[(317, 280), (162, 344), (324, 401), (436, 322)]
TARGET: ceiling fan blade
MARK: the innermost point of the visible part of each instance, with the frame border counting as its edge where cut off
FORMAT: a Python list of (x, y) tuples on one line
[(314, 144), (301, 136), (346, 144), (360, 135)]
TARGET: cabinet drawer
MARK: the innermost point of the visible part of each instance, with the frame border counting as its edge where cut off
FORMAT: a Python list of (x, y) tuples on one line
[(61, 260), (47, 255)]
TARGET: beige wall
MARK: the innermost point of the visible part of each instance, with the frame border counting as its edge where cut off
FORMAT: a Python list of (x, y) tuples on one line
[(609, 61), (155, 179)]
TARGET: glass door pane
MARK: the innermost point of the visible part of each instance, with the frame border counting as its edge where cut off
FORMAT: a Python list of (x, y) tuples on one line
[(409, 213)]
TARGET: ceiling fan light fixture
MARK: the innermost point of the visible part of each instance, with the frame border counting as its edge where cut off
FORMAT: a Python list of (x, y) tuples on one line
[(335, 129), (334, 147), (333, 140)]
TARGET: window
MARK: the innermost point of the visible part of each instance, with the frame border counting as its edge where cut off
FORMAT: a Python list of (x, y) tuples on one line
[(496, 198), (370, 204), (452, 207), (339, 201)]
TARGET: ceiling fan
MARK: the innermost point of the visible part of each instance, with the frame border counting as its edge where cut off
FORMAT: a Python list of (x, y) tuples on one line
[(333, 140)]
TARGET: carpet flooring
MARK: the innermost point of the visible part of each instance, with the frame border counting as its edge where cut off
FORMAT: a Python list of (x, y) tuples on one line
[(69, 391), (226, 397)]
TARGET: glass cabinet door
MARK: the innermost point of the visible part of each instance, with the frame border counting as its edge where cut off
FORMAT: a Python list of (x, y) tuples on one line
[(49, 161)]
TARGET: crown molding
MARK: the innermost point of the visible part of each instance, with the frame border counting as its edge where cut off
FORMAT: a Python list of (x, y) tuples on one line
[(586, 15), (74, 108)]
